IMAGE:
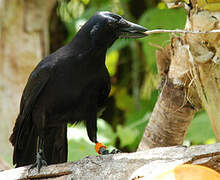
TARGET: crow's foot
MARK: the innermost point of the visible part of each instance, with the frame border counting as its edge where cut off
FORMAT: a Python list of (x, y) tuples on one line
[(101, 149), (104, 151), (39, 161), (115, 151)]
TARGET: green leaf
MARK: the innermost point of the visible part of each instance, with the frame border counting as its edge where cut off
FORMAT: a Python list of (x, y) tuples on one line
[(200, 130), (159, 19), (126, 135), (119, 44), (124, 101), (79, 149), (139, 121), (137, 114)]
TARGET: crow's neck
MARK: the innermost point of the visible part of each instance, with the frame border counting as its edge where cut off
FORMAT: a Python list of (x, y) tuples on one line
[(82, 44)]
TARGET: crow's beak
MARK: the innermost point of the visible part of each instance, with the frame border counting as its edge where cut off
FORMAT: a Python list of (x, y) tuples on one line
[(131, 30)]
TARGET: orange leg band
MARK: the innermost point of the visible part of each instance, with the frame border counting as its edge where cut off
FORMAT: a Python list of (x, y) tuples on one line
[(98, 146)]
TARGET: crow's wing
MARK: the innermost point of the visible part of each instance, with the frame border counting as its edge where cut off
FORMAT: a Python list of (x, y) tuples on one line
[(34, 87)]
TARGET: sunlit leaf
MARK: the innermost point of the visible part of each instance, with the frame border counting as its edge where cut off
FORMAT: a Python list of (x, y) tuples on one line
[(210, 141), (161, 5), (76, 8), (111, 62), (85, 1)]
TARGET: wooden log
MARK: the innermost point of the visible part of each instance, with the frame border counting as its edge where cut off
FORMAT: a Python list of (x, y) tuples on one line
[(142, 164)]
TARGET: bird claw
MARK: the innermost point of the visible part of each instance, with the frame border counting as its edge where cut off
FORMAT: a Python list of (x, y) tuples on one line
[(115, 151), (104, 151), (39, 162)]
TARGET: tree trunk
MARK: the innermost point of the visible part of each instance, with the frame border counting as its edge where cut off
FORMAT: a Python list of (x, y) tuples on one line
[(205, 53), (190, 80), (24, 41)]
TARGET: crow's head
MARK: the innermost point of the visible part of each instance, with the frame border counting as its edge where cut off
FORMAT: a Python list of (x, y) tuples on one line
[(105, 27)]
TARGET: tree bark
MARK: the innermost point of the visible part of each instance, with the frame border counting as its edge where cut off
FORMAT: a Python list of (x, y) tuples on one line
[(205, 66), (24, 41), (192, 80), (146, 165)]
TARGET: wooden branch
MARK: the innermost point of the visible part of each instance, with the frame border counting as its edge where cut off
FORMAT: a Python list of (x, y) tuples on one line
[(170, 119), (146, 164), (173, 111), (158, 31)]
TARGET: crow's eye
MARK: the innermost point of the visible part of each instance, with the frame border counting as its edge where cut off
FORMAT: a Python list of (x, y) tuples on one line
[(112, 23), (123, 23)]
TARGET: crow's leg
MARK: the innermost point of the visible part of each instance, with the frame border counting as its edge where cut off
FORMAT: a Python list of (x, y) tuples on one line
[(40, 122), (39, 157), (101, 149), (91, 126)]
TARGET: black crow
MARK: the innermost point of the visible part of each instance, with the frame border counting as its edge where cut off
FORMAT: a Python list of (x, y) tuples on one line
[(68, 86)]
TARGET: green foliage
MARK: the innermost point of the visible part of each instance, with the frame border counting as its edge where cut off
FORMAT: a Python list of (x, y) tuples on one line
[(159, 19), (124, 101), (119, 44), (106, 133), (126, 135), (136, 122), (200, 130), (78, 149)]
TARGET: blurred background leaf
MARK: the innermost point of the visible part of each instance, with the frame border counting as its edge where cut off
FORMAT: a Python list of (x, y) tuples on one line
[(200, 130)]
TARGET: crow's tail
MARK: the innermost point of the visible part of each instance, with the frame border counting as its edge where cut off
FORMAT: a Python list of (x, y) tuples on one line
[(25, 138)]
